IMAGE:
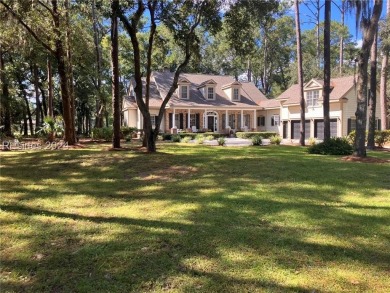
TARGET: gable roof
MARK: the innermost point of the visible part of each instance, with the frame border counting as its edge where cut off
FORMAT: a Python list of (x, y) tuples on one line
[(340, 87), (250, 95)]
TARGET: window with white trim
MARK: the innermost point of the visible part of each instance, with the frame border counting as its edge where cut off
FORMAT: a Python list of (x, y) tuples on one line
[(312, 98), (275, 120), (210, 93), (153, 120), (184, 92), (236, 95)]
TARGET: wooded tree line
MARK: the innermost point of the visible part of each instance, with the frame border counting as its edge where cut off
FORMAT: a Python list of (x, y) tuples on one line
[(74, 58)]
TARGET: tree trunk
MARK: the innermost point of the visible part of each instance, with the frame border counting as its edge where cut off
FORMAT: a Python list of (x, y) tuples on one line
[(37, 101), (300, 73), (100, 103), (5, 103), (60, 55), (116, 143), (341, 51), (372, 94), (327, 71), (383, 81), (50, 111), (364, 53), (43, 104)]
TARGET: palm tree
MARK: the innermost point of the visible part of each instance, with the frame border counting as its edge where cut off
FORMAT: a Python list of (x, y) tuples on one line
[(300, 73)]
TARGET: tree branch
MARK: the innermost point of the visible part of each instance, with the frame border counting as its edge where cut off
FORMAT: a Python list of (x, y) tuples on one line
[(35, 36), (47, 7)]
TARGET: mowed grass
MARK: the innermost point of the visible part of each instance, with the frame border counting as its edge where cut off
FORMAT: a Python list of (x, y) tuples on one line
[(193, 219)]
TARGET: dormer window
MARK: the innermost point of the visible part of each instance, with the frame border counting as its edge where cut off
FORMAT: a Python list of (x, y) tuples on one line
[(210, 93), (312, 98), (236, 94), (184, 92)]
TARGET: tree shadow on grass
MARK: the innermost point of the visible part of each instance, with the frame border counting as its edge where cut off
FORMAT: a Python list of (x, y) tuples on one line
[(248, 214)]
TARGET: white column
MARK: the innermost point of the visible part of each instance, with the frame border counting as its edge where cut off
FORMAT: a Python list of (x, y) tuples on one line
[(205, 119), (242, 119), (173, 118), (254, 120), (226, 120), (139, 119), (189, 119)]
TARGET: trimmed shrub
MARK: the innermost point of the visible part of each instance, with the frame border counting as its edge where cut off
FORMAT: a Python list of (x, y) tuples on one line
[(176, 138), (104, 133), (209, 137), (276, 139), (257, 140), (381, 137), (166, 136), (333, 146), (186, 139), (249, 135), (312, 141), (221, 141), (199, 139)]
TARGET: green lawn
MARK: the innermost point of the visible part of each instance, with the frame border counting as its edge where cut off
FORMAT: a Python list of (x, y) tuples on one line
[(193, 219)]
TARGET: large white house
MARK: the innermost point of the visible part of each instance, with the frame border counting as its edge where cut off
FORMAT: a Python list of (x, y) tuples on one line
[(220, 104)]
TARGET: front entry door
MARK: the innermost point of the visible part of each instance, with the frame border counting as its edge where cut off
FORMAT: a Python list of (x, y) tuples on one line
[(210, 122)]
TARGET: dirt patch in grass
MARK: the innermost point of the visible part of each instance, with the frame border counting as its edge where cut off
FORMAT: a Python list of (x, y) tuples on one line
[(365, 160)]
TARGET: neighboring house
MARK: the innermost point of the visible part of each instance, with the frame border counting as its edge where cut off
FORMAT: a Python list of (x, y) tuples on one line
[(220, 104), (201, 103)]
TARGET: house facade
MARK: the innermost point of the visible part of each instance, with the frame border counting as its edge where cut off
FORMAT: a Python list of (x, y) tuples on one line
[(221, 104), (201, 103)]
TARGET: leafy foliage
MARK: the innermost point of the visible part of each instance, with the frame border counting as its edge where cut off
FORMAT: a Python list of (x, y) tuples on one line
[(257, 140), (332, 146), (247, 135), (276, 139), (104, 133)]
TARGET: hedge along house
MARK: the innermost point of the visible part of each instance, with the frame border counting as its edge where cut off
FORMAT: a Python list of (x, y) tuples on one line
[(201, 103), (343, 103)]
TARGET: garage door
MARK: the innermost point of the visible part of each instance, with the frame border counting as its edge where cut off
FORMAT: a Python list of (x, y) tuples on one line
[(319, 128), (295, 129)]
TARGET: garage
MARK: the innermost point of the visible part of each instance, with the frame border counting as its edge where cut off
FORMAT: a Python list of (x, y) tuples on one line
[(295, 129), (319, 128)]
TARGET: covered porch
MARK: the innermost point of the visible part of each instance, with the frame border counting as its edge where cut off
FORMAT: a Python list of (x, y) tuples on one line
[(210, 120)]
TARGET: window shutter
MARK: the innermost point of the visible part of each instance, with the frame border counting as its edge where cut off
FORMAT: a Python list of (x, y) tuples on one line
[(272, 121), (349, 125), (262, 122), (170, 120), (181, 120), (186, 122), (239, 122), (378, 124), (223, 121), (197, 121)]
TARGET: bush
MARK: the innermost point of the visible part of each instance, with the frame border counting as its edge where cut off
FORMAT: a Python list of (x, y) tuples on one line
[(104, 133), (199, 138), (276, 139), (128, 138), (333, 146), (128, 131), (186, 139), (175, 138), (381, 137), (248, 135), (312, 141), (257, 140), (166, 136), (209, 137), (221, 141)]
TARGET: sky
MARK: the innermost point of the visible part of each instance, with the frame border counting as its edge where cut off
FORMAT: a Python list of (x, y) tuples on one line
[(336, 15)]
